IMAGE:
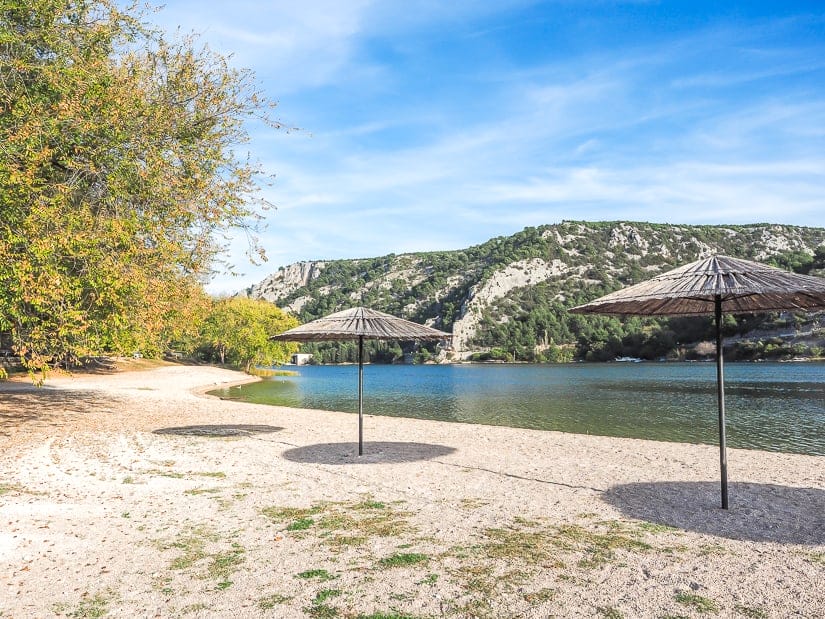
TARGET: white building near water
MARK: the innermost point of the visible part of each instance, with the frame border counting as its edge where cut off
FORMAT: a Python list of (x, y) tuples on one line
[(301, 358)]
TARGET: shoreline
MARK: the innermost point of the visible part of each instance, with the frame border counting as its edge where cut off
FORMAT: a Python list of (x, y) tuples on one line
[(576, 361), (180, 503), (602, 400)]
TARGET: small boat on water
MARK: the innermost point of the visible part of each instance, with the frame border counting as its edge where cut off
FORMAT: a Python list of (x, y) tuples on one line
[(628, 360)]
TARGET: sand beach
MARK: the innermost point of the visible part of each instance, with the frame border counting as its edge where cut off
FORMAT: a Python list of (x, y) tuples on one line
[(135, 494)]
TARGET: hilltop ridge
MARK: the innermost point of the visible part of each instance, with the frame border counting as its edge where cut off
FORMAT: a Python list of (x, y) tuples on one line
[(511, 292)]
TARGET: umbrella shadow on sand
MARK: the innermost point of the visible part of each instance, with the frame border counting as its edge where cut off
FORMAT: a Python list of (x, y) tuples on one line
[(220, 430), (759, 512), (360, 323), (379, 452)]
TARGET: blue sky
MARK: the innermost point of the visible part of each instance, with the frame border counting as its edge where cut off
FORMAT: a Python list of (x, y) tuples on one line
[(436, 125)]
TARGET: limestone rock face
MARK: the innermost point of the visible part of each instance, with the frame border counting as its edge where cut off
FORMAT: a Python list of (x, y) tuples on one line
[(478, 291), (285, 281), (516, 275)]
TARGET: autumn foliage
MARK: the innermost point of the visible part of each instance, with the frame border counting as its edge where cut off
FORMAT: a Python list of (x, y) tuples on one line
[(119, 170)]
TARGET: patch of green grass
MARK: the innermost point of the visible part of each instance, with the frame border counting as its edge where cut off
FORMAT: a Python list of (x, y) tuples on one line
[(698, 603), (529, 542), (461, 552), (429, 579), (340, 525), (815, 557), (95, 606), (481, 582), (672, 550), (750, 611), (528, 548), (513, 579), (369, 504), (706, 550), (172, 474), (386, 523), (319, 574), (321, 611), (337, 542), (281, 514), (300, 525), (542, 595), (194, 608), (224, 584), (17, 488), (472, 503), (532, 547), (192, 547), (128, 479), (324, 594), (476, 578), (224, 563), (198, 491), (477, 608), (390, 615), (125, 515), (599, 546), (526, 522), (271, 601), (213, 474), (403, 559), (319, 608), (609, 612), (653, 527)]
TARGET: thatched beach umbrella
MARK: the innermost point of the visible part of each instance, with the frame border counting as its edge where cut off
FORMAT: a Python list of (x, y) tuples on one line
[(713, 286), (360, 323)]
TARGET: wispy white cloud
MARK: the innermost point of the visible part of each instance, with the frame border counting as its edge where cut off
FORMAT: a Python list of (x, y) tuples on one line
[(293, 44), (427, 126)]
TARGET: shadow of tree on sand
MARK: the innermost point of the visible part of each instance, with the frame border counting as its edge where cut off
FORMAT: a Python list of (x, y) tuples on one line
[(374, 453), (758, 512), (28, 407), (219, 430)]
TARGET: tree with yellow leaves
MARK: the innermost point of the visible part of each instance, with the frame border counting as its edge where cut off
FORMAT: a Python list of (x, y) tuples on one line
[(237, 331), (118, 174)]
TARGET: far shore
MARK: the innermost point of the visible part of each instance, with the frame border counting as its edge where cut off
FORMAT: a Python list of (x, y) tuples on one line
[(134, 494)]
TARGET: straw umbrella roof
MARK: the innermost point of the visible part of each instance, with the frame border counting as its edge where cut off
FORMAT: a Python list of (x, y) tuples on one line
[(743, 286), (713, 286), (358, 322)]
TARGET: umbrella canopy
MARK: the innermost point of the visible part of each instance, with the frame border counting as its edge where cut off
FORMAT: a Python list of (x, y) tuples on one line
[(360, 323), (357, 322), (743, 286), (713, 286)]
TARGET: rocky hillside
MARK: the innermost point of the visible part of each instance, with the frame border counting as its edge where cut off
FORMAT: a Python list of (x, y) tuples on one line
[(511, 292)]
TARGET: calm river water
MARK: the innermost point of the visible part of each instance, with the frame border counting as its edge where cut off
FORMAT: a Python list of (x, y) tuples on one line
[(770, 406)]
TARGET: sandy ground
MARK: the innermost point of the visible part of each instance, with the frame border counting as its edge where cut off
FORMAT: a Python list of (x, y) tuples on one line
[(134, 495)]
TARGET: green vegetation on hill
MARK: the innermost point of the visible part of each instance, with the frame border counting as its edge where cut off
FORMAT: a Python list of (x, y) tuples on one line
[(529, 321)]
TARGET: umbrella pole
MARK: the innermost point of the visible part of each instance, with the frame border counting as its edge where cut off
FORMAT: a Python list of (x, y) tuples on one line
[(720, 395), (360, 395)]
